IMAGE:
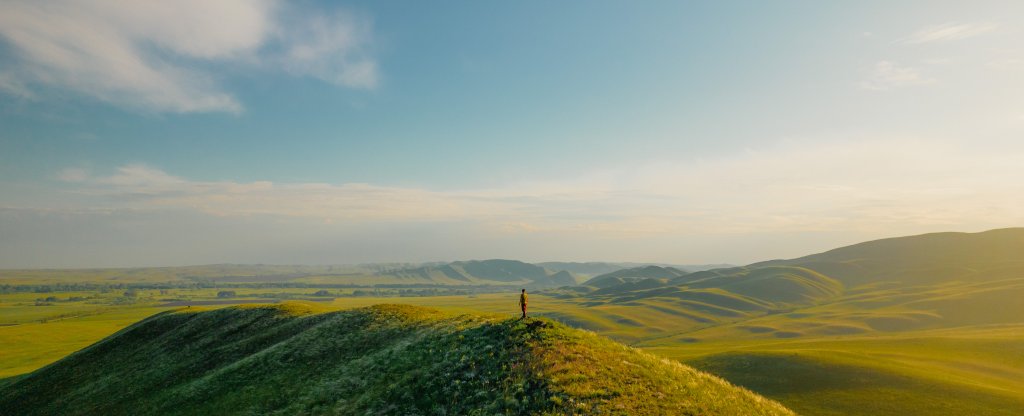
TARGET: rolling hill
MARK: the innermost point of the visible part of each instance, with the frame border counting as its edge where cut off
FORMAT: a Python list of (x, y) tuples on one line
[(928, 324), (932, 323), (583, 269), (918, 282), (386, 359), (632, 274), (597, 268), (494, 271), (922, 259)]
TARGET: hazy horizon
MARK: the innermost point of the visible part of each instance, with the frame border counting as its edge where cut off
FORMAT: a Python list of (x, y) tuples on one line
[(266, 132)]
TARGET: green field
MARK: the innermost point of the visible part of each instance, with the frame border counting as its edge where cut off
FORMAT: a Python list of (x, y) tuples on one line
[(911, 326), (976, 370)]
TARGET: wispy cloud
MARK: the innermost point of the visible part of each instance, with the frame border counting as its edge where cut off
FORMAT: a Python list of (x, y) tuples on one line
[(868, 185), (73, 175), (887, 75), (159, 56), (949, 32), (778, 201), (329, 48)]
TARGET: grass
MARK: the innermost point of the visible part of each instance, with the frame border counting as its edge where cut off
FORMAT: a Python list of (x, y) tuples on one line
[(978, 367), (394, 359), (919, 325), (813, 384), (969, 370), (26, 347)]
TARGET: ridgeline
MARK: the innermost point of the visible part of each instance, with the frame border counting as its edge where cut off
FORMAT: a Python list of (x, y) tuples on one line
[(387, 359)]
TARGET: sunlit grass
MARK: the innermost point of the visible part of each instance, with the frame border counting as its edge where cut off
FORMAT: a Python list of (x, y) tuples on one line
[(301, 358)]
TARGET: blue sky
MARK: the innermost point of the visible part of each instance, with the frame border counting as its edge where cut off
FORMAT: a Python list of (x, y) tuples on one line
[(318, 132)]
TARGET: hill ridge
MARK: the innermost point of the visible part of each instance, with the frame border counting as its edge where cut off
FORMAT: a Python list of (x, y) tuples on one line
[(386, 359)]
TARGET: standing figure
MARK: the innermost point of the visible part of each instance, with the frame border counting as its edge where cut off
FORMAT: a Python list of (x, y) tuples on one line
[(522, 303)]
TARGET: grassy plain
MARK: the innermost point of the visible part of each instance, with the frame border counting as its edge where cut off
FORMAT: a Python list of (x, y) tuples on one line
[(911, 326)]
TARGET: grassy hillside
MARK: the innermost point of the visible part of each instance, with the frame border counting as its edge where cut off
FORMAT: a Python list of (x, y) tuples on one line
[(494, 271), (635, 273), (977, 371), (912, 325), (928, 281), (906, 326), (584, 269), (393, 359), (927, 258)]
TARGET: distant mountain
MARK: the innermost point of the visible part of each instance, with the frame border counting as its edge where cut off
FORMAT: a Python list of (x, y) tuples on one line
[(586, 269), (386, 359), (636, 273), (495, 271), (599, 268), (625, 286), (683, 267), (562, 278)]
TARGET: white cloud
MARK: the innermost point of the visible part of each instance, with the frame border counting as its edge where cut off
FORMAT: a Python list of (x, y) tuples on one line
[(1006, 64), (786, 200), (328, 48), (884, 186), (887, 75), (157, 56), (73, 175), (949, 32), (12, 84)]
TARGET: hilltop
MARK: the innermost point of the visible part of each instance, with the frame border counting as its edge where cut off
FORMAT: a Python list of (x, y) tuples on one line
[(494, 271), (386, 359)]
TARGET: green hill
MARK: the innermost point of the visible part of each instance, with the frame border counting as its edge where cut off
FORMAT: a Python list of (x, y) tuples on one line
[(927, 324), (719, 295), (628, 286), (777, 284), (494, 271), (645, 272), (634, 274), (595, 268), (586, 269), (562, 278), (386, 359), (927, 258), (928, 281)]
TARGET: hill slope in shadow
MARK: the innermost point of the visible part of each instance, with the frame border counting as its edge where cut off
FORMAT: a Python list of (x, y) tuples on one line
[(386, 359)]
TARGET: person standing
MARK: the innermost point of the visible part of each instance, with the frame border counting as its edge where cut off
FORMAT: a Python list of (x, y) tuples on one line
[(522, 303)]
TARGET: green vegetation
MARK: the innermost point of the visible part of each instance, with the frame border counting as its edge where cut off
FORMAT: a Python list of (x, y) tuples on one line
[(494, 271), (914, 325), (302, 358)]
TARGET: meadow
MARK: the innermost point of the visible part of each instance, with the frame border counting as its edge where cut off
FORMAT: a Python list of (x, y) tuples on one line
[(918, 325), (976, 370)]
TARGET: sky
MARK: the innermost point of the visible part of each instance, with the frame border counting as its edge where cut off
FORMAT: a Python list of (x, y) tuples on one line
[(154, 133)]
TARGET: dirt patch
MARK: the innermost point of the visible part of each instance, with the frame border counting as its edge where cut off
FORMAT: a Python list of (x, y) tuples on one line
[(757, 329), (840, 330)]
